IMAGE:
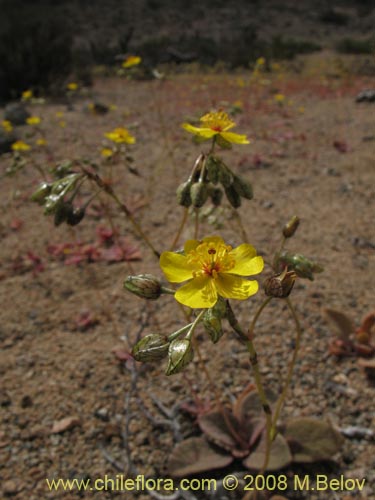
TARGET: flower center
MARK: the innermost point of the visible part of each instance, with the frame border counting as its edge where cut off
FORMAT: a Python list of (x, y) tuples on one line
[(218, 121), (210, 259)]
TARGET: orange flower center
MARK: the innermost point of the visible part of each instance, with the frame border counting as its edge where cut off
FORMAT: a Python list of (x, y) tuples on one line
[(211, 258)]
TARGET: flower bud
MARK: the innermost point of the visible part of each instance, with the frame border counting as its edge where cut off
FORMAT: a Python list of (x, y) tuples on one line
[(291, 227), (199, 194), (153, 347), (40, 195), (216, 195), (243, 187), (233, 196), (212, 168), (180, 354), (75, 216), (61, 212), (280, 285), (145, 286), (212, 325), (225, 175), (183, 194)]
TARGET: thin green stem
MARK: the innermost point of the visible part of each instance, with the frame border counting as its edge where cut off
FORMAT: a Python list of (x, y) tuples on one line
[(179, 332), (292, 363), (244, 236), (195, 324)]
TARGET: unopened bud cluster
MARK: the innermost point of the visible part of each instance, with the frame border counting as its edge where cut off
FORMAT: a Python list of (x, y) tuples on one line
[(280, 285), (203, 184), (52, 195)]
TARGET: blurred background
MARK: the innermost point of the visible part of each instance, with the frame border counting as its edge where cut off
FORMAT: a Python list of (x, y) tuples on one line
[(44, 42)]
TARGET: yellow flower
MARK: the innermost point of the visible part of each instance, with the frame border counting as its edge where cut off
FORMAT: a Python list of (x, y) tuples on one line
[(27, 95), (120, 135), (62, 123), (106, 152), (279, 98), (261, 61), (131, 61), (212, 268), (33, 120), (41, 142), (7, 126), (20, 146), (72, 86), (59, 114), (216, 123)]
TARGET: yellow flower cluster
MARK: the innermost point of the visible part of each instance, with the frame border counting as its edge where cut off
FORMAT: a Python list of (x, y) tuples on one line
[(7, 126), (33, 120)]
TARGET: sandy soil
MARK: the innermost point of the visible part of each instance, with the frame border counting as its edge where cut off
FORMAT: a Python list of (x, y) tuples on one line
[(313, 156)]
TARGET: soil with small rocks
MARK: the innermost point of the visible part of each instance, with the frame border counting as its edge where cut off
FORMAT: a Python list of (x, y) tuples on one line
[(73, 404)]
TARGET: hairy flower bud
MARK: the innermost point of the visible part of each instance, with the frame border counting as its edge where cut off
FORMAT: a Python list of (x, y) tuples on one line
[(145, 286), (291, 227), (199, 194), (243, 187), (180, 354), (233, 196), (183, 194), (280, 285), (153, 347), (212, 325)]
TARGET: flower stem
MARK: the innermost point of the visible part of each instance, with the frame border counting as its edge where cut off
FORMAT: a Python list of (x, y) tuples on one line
[(109, 190), (180, 229), (196, 225), (292, 363), (248, 340)]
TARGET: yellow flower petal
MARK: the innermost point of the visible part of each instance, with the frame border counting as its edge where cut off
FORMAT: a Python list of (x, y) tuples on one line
[(200, 293), (175, 267), (235, 138), (190, 245), (206, 133), (233, 287), (246, 261)]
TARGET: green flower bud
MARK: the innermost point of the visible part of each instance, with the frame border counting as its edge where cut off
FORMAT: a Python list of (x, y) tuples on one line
[(212, 325), (180, 354), (145, 286), (220, 308), (40, 195), (291, 227), (51, 202), (212, 168), (199, 194), (233, 196), (225, 175), (280, 285), (243, 187), (183, 194), (153, 347), (75, 216), (216, 195)]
